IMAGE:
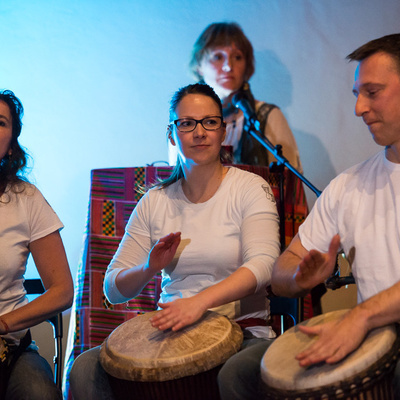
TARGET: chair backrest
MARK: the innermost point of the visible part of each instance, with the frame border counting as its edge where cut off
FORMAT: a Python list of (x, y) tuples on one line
[(35, 286)]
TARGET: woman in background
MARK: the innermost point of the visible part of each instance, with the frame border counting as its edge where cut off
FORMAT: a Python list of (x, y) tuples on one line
[(211, 230), (28, 225), (223, 58)]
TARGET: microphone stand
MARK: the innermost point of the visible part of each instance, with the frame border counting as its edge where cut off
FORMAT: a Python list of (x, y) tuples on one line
[(278, 167), (277, 152), (335, 281)]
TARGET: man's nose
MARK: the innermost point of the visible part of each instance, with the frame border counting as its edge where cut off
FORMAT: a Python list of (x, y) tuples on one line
[(361, 106)]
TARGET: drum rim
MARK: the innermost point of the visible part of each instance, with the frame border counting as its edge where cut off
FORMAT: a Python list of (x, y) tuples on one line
[(160, 372), (378, 371), (280, 370)]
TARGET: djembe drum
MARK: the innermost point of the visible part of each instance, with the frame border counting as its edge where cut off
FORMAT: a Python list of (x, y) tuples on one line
[(145, 363), (365, 374)]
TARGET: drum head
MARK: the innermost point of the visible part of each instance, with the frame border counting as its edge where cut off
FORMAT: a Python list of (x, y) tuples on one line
[(137, 351), (280, 369)]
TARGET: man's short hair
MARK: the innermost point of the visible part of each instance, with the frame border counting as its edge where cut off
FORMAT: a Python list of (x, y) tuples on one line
[(389, 44)]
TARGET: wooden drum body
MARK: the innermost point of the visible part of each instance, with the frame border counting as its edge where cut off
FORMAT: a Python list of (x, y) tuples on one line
[(365, 374), (146, 363)]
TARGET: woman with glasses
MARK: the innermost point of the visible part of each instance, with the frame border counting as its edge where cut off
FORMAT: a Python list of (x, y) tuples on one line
[(211, 230), (223, 58)]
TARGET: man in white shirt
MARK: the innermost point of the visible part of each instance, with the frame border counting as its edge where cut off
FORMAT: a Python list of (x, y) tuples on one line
[(361, 209)]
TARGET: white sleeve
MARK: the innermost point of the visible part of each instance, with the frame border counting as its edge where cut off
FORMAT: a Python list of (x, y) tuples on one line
[(42, 218), (321, 224), (132, 251), (260, 232)]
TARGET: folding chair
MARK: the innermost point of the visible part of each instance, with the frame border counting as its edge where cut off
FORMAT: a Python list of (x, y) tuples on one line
[(35, 286)]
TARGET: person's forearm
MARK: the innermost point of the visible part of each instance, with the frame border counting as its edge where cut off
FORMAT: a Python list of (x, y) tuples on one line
[(381, 309), (236, 286), (283, 282), (53, 301), (131, 281)]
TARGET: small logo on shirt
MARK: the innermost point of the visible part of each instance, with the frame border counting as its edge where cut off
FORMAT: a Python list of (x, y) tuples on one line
[(268, 192)]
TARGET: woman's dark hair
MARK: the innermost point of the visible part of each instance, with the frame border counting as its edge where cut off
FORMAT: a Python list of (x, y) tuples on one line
[(12, 165), (197, 88), (222, 34)]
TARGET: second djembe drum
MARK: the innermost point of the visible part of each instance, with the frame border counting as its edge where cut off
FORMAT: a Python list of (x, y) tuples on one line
[(145, 363)]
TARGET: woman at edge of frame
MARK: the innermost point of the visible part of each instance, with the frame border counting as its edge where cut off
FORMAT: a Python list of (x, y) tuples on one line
[(28, 226)]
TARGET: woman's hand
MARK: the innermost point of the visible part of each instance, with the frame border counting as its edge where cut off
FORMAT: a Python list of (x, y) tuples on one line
[(178, 314), (163, 251)]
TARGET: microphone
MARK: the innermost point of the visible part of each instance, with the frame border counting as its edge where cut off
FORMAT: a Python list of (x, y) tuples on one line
[(240, 101)]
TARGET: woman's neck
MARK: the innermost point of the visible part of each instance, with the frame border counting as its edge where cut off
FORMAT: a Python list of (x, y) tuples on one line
[(227, 99), (201, 182)]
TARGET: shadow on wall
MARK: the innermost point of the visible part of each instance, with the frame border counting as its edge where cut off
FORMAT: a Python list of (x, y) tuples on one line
[(271, 81), (316, 160)]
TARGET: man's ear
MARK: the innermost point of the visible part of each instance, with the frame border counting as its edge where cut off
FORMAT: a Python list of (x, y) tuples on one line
[(169, 135)]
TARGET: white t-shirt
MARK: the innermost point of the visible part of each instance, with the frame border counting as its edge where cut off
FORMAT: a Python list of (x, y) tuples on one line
[(362, 205), (24, 218), (237, 227)]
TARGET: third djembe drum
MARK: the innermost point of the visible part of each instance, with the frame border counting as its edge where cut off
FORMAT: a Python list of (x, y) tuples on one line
[(365, 374)]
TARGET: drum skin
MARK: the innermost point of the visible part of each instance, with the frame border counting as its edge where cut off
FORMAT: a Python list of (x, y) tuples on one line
[(136, 351), (281, 371)]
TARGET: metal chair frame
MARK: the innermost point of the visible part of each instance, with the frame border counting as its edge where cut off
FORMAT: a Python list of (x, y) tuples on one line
[(286, 307), (35, 286)]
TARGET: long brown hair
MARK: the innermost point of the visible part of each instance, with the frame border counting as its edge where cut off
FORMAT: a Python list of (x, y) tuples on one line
[(12, 165)]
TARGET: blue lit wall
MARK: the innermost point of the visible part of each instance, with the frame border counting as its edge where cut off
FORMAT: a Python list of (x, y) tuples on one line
[(95, 78)]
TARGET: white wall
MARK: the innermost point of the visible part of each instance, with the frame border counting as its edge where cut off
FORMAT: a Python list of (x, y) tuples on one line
[(95, 78)]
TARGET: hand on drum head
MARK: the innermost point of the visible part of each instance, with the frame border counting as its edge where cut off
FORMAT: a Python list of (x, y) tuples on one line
[(336, 339), (178, 313), (163, 251), (316, 267)]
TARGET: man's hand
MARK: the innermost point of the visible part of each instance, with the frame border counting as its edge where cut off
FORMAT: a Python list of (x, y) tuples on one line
[(316, 267), (336, 339)]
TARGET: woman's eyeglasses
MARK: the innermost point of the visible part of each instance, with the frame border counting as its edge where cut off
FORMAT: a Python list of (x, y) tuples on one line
[(189, 124)]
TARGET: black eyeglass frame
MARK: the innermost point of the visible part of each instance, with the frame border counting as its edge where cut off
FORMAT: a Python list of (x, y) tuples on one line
[(198, 121)]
